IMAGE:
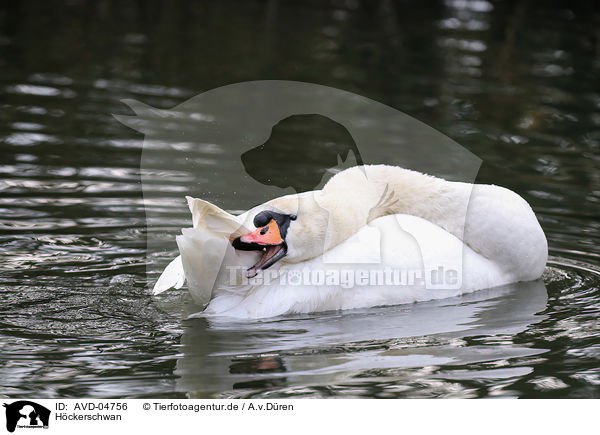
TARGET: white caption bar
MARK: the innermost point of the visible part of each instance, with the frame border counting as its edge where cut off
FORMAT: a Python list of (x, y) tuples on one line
[(148, 416)]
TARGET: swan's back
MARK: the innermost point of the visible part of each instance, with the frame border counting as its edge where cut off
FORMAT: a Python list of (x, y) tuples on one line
[(413, 260), (507, 231)]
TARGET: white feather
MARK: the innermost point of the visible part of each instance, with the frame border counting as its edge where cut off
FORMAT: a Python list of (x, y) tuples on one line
[(202, 249), (172, 276)]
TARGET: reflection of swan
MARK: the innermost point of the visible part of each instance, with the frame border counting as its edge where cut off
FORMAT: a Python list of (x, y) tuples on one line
[(223, 357), (497, 237)]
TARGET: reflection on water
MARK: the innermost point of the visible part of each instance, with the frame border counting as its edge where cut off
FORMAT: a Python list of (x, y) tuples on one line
[(250, 359), (75, 316)]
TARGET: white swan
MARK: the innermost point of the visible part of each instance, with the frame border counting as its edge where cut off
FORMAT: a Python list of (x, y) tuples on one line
[(374, 235)]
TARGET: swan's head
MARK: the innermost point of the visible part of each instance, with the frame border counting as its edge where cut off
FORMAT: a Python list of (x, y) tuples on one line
[(292, 229), (269, 237), (297, 228)]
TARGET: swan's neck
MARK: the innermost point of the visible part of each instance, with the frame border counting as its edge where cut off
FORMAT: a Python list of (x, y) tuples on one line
[(355, 197)]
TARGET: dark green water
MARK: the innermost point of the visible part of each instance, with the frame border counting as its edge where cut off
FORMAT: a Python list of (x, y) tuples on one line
[(514, 82)]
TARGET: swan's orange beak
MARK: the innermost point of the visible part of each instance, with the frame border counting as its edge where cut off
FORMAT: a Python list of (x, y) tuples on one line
[(268, 235), (266, 239)]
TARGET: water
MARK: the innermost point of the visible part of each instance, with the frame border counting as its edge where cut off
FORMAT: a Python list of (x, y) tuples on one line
[(76, 319)]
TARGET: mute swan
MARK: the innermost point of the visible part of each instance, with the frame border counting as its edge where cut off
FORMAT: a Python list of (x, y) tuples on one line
[(374, 235)]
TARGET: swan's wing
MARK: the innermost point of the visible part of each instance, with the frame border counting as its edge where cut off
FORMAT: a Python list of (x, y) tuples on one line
[(203, 256), (204, 247), (172, 276), (210, 217)]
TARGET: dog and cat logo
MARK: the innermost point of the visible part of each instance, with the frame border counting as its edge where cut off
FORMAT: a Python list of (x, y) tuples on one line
[(26, 414)]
